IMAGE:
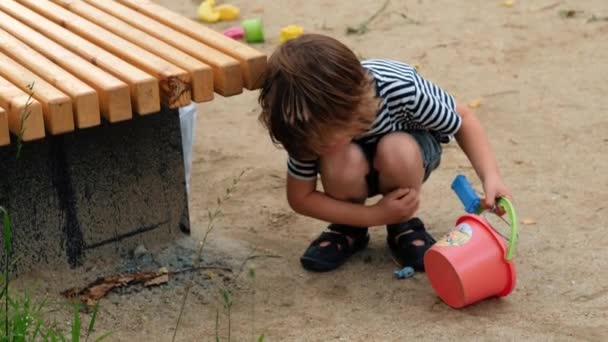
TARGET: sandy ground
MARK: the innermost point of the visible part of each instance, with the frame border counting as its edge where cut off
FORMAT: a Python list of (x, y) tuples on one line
[(542, 80)]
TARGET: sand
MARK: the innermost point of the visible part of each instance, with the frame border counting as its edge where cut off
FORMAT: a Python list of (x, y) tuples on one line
[(542, 83)]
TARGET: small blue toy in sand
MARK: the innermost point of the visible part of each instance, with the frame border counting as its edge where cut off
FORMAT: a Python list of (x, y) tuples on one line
[(404, 273)]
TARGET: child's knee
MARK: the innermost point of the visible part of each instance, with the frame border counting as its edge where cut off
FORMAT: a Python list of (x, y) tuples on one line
[(346, 167), (397, 152)]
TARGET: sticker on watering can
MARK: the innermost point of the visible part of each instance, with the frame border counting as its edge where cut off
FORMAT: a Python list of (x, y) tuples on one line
[(459, 236)]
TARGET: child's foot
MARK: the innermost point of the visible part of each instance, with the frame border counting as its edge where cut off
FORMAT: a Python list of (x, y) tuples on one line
[(408, 241), (332, 248)]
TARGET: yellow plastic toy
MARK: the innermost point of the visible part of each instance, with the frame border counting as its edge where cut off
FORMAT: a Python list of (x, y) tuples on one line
[(207, 13), (290, 32), (228, 12)]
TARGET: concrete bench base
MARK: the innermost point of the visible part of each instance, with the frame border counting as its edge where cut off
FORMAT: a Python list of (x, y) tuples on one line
[(99, 190)]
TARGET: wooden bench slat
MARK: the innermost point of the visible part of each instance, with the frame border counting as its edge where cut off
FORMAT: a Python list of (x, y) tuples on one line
[(56, 106), (84, 98), (202, 74), (113, 96), (174, 82), (253, 62), (5, 136), (228, 79), (145, 97), (15, 102), (113, 99)]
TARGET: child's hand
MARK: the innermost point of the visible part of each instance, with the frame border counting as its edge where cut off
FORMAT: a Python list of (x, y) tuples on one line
[(494, 188), (398, 205)]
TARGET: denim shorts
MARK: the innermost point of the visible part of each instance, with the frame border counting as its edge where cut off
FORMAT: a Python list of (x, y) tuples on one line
[(430, 149)]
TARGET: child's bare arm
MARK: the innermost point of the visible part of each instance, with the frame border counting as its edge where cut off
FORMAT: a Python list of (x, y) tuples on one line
[(306, 200), (474, 142)]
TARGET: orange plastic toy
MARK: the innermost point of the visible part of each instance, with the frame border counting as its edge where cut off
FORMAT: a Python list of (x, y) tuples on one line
[(473, 262)]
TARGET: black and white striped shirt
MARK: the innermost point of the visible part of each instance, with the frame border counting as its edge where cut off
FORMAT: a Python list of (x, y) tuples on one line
[(408, 102)]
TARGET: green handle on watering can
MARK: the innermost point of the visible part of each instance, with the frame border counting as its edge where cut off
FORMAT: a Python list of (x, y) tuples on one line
[(504, 203)]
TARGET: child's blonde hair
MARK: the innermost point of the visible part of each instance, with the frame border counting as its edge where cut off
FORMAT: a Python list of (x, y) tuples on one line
[(315, 86)]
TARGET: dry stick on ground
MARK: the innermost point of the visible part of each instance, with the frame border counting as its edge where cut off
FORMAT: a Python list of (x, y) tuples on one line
[(198, 268), (213, 217), (362, 28), (96, 290), (504, 92), (595, 18), (549, 6), (252, 256), (445, 44), (99, 288), (408, 19)]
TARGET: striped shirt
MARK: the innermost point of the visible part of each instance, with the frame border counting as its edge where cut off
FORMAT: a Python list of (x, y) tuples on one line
[(408, 102)]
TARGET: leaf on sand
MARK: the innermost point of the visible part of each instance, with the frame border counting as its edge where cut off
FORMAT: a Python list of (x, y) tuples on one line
[(475, 103), (570, 13), (528, 221), (99, 291), (162, 279), (508, 3), (99, 288)]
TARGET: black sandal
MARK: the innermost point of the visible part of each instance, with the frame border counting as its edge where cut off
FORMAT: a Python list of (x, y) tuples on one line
[(327, 258), (401, 238)]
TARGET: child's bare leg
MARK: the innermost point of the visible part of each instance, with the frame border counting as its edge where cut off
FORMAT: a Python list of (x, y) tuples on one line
[(343, 176), (399, 164)]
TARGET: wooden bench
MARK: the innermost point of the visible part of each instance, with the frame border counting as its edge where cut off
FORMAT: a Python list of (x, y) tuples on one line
[(91, 59), (92, 88)]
